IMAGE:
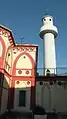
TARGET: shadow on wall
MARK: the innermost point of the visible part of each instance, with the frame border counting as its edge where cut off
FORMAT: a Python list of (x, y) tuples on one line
[(3, 93), (14, 100), (17, 99), (22, 98)]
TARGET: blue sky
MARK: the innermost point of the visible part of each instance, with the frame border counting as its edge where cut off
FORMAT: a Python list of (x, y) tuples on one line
[(24, 18)]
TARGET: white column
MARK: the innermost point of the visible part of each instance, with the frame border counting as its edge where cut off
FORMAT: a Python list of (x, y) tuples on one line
[(49, 50), (48, 32)]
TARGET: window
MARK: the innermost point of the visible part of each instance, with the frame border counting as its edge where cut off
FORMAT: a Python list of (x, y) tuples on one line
[(22, 98), (49, 19), (44, 19)]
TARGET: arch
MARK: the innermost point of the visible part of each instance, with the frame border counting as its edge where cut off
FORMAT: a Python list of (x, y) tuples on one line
[(3, 52), (3, 45), (15, 62), (25, 62)]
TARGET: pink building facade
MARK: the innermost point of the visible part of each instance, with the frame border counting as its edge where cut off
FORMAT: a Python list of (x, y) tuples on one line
[(18, 64)]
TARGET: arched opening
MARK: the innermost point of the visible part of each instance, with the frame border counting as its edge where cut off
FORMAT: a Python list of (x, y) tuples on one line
[(2, 52), (23, 56), (3, 47)]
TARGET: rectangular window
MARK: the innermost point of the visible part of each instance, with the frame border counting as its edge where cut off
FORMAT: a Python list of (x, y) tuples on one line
[(22, 98)]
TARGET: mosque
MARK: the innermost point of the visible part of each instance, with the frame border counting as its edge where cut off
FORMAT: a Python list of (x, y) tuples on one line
[(21, 85)]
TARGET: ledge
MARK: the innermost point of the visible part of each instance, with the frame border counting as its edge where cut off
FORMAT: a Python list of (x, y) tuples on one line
[(51, 78)]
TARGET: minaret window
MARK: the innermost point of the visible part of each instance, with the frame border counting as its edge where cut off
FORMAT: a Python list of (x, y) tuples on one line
[(44, 19), (49, 19)]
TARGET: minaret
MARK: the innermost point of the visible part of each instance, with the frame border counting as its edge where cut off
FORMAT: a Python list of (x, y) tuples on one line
[(49, 32)]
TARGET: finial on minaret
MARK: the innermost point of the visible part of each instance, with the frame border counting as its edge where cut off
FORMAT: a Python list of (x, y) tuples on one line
[(46, 12)]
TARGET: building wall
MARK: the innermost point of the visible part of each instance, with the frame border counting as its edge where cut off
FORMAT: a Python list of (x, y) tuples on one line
[(8, 62), (4, 44), (22, 86), (23, 55), (22, 63), (51, 96), (16, 61), (4, 98)]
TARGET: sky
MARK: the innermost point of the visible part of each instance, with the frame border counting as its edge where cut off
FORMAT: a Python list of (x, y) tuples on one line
[(23, 17)]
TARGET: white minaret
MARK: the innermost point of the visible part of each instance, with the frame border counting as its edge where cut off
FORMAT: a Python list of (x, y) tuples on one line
[(48, 32)]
